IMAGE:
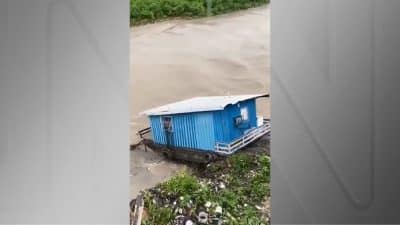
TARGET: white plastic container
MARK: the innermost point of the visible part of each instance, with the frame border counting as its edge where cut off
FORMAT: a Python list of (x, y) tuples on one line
[(260, 121)]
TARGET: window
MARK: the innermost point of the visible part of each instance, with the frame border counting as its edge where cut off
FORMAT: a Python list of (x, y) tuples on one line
[(244, 113), (238, 120), (167, 123)]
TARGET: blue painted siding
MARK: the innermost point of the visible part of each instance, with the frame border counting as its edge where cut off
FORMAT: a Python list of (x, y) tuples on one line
[(221, 126), (227, 126), (252, 117), (190, 130), (184, 130), (200, 130), (205, 131), (157, 131), (219, 131)]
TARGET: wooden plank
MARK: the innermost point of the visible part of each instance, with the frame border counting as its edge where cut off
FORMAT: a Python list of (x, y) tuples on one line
[(138, 212)]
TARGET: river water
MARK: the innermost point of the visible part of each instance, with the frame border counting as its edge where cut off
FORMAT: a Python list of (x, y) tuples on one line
[(179, 59)]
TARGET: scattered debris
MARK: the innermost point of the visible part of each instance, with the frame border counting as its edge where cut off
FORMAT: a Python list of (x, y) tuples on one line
[(136, 210), (218, 210), (202, 217), (232, 191)]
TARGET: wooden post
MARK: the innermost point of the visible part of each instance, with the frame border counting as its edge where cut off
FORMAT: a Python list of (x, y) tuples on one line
[(137, 218)]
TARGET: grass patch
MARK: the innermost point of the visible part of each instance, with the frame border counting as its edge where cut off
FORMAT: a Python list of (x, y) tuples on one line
[(148, 11), (239, 185)]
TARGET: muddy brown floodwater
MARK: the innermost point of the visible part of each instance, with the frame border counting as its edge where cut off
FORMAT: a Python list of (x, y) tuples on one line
[(175, 60)]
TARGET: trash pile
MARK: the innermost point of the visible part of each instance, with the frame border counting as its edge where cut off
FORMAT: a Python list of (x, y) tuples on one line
[(233, 191)]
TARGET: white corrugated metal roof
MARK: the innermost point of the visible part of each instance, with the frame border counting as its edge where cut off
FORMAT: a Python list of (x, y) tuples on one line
[(199, 104)]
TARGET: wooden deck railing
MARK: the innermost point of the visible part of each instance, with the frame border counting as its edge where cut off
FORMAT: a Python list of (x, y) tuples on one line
[(144, 131), (229, 148)]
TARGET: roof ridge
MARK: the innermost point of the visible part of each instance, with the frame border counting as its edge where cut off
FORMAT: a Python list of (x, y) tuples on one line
[(200, 103)]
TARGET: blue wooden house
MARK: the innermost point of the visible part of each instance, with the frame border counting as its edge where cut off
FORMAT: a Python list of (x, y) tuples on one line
[(220, 124)]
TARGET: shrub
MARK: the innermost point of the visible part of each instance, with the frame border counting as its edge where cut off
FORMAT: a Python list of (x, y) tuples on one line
[(182, 184), (246, 178), (147, 11)]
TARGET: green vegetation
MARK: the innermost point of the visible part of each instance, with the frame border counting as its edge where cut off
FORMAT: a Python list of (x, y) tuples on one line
[(239, 185), (147, 11)]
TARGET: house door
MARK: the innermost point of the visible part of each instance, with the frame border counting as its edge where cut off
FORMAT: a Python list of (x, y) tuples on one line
[(167, 126)]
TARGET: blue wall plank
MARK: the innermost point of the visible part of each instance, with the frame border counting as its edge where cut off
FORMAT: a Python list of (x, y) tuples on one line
[(157, 130), (205, 131), (184, 128)]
